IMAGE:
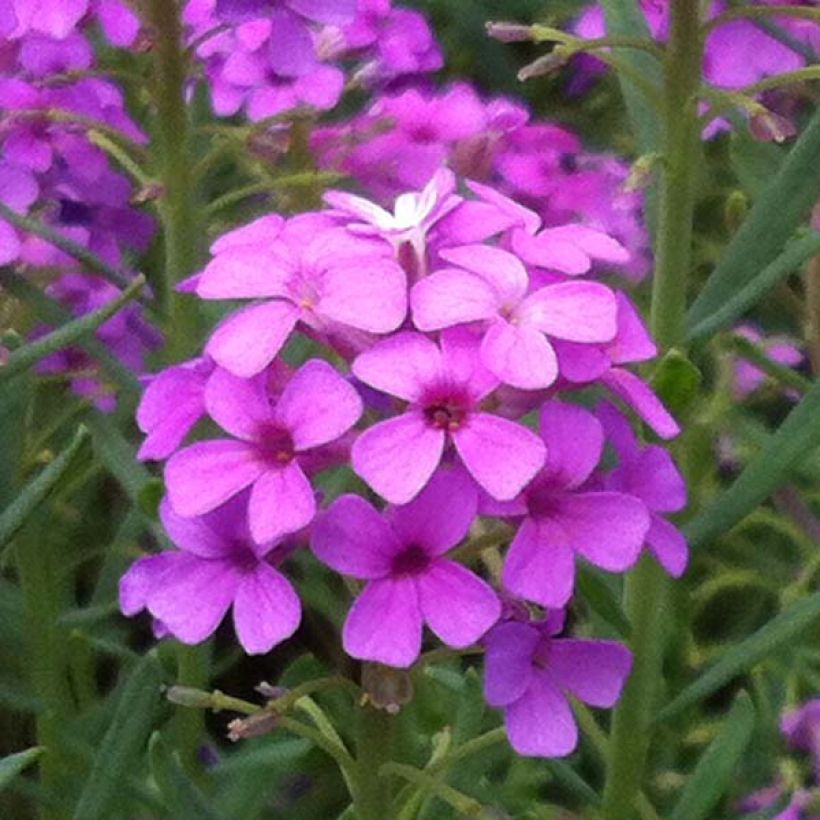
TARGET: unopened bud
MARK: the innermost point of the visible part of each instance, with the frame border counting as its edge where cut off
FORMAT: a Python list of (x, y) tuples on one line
[(188, 696), (386, 688), (509, 32), (543, 66), (269, 691), (640, 174), (766, 126), (260, 723), (147, 193), (735, 209)]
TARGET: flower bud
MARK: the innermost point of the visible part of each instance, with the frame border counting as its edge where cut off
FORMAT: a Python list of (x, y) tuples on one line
[(386, 688), (766, 126), (256, 725), (543, 66), (509, 32), (190, 697)]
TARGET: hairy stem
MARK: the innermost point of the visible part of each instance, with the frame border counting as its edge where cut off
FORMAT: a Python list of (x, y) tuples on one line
[(372, 798)]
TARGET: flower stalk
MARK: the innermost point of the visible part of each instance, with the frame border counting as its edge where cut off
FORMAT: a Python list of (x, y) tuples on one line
[(646, 588)]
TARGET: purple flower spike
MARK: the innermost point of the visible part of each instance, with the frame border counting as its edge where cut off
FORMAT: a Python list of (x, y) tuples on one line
[(316, 407), (562, 518), (529, 673), (444, 387), (217, 565), (410, 583)]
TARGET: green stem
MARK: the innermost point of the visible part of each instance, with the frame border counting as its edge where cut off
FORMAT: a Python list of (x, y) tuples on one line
[(189, 724), (372, 798), (178, 205), (645, 589)]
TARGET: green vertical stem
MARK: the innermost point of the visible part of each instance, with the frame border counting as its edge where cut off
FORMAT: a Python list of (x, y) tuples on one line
[(178, 204), (645, 597), (374, 736), (188, 727)]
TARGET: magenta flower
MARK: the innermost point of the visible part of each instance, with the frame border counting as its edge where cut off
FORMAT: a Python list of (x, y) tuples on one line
[(18, 190), (316, 408), (529, 674), (409, 581), (801, 727), (563, 519), (491, 285), (444, 386), (748, 377), (307, 270), (217, 565), (648, 473)]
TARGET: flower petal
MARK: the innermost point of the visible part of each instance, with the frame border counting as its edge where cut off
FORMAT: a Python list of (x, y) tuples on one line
[(519, 356), (282, 502), (451, 297), (575, 311), (246, 271), (239, 406), (192, 534), (500, 269), (266, 610), (628, 387), (142, 577), (508, 666), (668, 545), (593, 671), (575, 442)]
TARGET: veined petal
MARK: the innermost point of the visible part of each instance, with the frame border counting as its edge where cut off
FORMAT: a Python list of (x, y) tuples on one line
[(282, 502), (266, 610), (575, 311)]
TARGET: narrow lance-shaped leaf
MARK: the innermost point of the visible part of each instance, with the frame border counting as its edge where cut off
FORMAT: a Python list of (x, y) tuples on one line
[(740, 658), (16, 764), (794, 439), (714, 774), (70, 333), (124, 741), (15, 515), (767, 228)]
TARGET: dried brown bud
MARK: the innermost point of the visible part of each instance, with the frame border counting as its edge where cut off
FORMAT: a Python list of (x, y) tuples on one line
[(147, 193), (767, 126), (386, 688), (548, 64), (260, 723), (269, 691)]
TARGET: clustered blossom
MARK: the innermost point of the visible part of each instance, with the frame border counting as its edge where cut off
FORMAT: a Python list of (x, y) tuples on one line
[(443, 341)]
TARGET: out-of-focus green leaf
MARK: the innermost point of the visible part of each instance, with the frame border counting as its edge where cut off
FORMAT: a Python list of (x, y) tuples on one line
[(795, 439), (15, 764), (182, 798), (770, 224), (599, 597), (15, 515), (68, 334), (124, 740), (740, 658), (676, 381), (713, 776), (723, 313), (754, 161)]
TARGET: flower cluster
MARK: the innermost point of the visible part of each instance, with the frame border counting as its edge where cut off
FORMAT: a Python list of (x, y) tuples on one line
[(434, 349)]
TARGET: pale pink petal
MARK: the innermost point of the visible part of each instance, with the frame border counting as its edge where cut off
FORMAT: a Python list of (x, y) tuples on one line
[(193, 534), (552, 254), (632, 342), (540, 565), (528, 219), (575, 442), (508, 667), (239, 406), (499, 269), (354, 539), (401, 365), (575, 311), (608, 529), (451, 297), (461, 361), (657, 481), (384, 623), (397, 457), (593, 671), (246, 272), (248, 340), (282, 501), (260, 231), (266, 610), (318, 405), (367, 293), (57, 18), (519, 356), (501, 455), (440, 516), (540, 723), (593, 242), (668, 545), (456, 604), (142, 577), (628, 387), (619, 432), (206, 474)]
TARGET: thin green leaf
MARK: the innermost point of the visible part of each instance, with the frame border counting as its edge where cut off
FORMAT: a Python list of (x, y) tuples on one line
[(16, 764), (601, 600), (69, 334), (15, 515), (181, 797), (756, 287), (119, 457), (124, 741), (714, 773), (794, 440), (740, 658), (768, 227), (53, 313)]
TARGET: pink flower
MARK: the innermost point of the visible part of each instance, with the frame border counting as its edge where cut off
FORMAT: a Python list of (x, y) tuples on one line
[(217, 566), (444, 386), (491, 285), (316, 407), (307, 270), (562, 518), (648, 473), (801, 727), (748, 377), (529, 674), (409, 582)]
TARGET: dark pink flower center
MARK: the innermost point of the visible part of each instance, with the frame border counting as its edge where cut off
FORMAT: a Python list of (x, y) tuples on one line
[(410, 561), (276, 445), (446, 411)]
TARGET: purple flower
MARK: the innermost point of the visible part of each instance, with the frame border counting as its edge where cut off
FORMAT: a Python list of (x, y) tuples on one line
[(489, 284), (217, 565), (748, 377), (444, 386), (649, 473), (529, 674), (307, 270), (801, 727), (562, 518), (19, 191), (316, 408), (409, 582)]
